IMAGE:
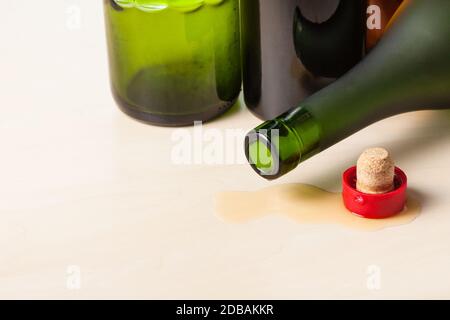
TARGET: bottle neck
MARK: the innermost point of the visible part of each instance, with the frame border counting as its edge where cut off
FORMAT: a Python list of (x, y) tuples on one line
[(278, 146)]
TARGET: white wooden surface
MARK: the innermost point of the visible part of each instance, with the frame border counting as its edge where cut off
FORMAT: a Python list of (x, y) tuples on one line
[(85, 190)]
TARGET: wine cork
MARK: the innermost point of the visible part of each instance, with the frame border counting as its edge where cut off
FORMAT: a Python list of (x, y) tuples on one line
[(375, 172)]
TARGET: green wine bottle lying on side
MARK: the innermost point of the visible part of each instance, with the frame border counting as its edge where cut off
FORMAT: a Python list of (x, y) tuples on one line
[(409, 70)]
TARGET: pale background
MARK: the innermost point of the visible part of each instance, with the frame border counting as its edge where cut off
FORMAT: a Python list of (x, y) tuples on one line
[(86, 191)]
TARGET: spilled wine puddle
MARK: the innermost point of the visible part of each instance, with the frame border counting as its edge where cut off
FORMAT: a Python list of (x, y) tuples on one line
[(304, 204)]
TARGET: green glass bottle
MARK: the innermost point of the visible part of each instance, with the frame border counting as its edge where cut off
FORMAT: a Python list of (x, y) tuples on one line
[(408, 70), (173, 62)]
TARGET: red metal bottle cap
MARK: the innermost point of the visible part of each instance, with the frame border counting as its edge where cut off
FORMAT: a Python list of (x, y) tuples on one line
[(374, 206)]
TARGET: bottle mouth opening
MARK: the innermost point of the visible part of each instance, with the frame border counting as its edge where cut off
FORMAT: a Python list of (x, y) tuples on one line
[(273, 149), (262, 155)]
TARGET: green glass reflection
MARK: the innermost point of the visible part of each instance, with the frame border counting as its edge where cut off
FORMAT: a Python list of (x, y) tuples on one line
[(261, 156)]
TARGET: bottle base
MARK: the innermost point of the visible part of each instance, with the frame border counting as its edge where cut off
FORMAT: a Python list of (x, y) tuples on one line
[(172, 120)]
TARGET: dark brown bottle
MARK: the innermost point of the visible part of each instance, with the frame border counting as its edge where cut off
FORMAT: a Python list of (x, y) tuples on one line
[(293, 48), (380, 13)]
